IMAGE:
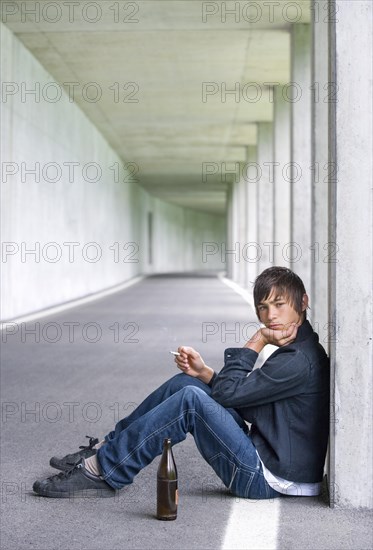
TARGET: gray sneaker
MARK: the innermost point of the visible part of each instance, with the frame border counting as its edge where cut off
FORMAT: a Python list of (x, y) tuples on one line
[(77, 482), (69, 461)]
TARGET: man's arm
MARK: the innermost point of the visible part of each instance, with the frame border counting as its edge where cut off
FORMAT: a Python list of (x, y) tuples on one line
[(265, 336), (190, 361), (281, 376)]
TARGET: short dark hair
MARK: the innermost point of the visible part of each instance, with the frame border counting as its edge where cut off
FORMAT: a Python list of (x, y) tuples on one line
[(284, 282)]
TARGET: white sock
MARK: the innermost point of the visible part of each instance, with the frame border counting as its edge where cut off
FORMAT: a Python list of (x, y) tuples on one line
[(91, 464)]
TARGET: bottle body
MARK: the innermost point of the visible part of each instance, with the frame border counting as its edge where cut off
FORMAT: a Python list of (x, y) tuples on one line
[(167, 494)]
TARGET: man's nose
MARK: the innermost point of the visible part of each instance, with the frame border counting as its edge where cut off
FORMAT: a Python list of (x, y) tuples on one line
[(271, 313)]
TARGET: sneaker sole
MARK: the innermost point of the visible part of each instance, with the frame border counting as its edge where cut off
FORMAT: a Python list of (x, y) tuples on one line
[(86, 493)]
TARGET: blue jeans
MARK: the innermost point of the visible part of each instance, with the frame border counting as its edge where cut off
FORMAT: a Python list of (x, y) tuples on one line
[(180, 406)]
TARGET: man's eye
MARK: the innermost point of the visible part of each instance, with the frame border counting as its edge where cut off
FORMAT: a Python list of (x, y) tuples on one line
[(280, 304)]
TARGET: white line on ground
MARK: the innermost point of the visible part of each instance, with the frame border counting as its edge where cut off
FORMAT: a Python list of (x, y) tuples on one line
[(252, 525), (246, 295)]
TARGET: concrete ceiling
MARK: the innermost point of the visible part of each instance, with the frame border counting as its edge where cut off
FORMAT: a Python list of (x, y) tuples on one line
[(168, 50)]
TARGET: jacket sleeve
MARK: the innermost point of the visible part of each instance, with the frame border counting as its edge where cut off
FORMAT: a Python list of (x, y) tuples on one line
[(283, 375)]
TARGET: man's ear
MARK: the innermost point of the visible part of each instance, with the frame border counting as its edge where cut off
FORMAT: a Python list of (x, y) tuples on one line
[(304, 302)]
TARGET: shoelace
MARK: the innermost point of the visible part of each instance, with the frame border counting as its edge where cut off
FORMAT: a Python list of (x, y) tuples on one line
[(71, 458), (92, 442), (67, 474)]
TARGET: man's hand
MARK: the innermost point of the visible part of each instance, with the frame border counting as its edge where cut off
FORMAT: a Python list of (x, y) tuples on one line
[(278, 338), (190, 362)]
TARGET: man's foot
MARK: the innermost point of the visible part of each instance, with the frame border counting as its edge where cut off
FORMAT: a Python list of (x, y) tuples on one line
[(69, 461), (77, 482)]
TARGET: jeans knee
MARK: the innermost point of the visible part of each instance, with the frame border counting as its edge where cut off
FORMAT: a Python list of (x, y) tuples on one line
[(193, 391), (204, 404), (178, 382), (196, 397), (182, 380)]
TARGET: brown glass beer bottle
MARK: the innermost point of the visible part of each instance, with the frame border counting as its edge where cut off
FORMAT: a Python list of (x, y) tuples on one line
[(167, 495)]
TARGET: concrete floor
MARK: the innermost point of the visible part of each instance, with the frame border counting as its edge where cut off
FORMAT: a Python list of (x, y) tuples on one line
[(53, 394)]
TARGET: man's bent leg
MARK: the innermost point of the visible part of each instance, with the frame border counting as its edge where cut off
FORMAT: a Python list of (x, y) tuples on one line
[(220, 440), (168, 388)]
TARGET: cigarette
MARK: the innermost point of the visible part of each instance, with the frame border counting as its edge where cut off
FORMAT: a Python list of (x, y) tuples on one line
[(175, 352)]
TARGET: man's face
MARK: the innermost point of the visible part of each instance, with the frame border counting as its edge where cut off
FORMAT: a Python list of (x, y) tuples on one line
[(277, 314)]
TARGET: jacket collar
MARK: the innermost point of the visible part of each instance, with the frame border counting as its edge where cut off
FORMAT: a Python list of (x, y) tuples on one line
[(304, 331)]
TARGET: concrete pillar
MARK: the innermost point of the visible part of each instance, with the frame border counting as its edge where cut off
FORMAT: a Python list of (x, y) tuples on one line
[(242, 226), (253, 250), (265, 194), (319, 173), (229, 232), (350, 102), (301, 194), (232, 252), (282, 177)]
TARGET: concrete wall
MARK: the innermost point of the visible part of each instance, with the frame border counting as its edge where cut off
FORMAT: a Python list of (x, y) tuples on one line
[(185, 239), (351, 272), (282, 186), (265, 187), (301, 133), (320, 180), (69, 230)]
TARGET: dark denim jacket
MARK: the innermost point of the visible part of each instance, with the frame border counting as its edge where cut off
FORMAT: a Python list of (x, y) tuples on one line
[(286, 401)]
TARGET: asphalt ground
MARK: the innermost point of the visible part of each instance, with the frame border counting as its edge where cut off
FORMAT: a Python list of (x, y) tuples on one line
[(76, 373)]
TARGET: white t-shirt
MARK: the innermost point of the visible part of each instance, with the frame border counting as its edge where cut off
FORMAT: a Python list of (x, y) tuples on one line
[(290, 487)]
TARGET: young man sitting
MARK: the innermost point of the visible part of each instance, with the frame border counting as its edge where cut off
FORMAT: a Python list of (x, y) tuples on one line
[(286, 401)]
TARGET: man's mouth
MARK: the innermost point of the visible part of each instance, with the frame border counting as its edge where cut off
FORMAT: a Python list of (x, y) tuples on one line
[(275, 327)]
